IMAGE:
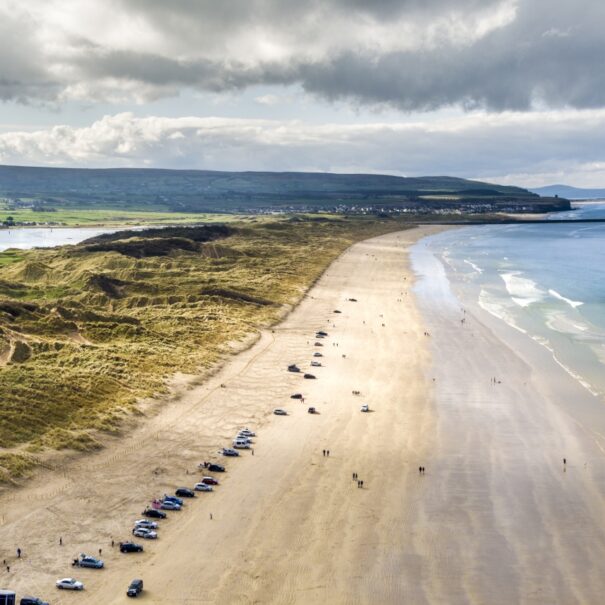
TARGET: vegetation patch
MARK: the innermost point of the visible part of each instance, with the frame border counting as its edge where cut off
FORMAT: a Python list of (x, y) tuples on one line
[(87, 331)]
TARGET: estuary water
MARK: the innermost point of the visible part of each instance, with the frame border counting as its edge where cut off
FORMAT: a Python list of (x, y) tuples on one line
[(547, 281), (47, 237)]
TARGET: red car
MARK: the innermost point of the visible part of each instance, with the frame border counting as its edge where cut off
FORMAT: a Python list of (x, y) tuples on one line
[(209, 481)]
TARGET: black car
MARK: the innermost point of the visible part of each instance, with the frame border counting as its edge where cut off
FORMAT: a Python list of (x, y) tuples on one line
[(32, 601), (130, 547), (217, 468), (321, 333), (156, 514), (135, 588), (311, 376), (185, 492), (293, 368), (296, 396), (337, 311)]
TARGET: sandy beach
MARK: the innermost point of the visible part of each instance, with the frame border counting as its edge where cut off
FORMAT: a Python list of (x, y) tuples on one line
[(497, 518), (288, 523)]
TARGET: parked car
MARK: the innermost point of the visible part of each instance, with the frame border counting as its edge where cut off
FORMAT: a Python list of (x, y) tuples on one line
[(216, 468), (296, 396), (174, 499), (280, 412), (69, 584), (293, 368), (337, 311), (353, 299), (169, 505), (86, 561), (130, 547), (310, 376), (146, 523), (230, 452), (32, 601), (316, 364), (240, 437), (312, 410), (322, 333), (241, 445), (317, 354), (202, 487), (209, 480), (154, 513), (185, 492), (365, 407), (318, 344), (246, 431), (135, 588), (143, 532)]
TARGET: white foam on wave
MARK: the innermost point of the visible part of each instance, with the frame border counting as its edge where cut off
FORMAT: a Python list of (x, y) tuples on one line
[(576, 376), (472, 264), (572, 303), (523, 291), (560, 322), (496, 308)]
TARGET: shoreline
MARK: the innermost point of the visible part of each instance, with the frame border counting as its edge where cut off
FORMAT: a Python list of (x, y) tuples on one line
[(280, 511), (534, 523)]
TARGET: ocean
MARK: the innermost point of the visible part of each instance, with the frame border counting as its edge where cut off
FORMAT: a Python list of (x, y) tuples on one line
[(546, 281)]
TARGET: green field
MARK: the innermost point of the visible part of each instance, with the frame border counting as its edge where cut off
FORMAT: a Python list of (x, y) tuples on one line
[(80, 217)]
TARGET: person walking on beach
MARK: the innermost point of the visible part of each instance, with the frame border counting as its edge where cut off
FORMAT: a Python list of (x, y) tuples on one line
[(18, 553), (328, 453), (60, 541), (323, 452)]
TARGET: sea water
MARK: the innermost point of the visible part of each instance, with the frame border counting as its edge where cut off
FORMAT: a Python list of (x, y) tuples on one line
[(47, 237), (546, 281)]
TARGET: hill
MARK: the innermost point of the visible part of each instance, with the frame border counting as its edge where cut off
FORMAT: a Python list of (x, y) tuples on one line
[(569, 192), (212, 191)]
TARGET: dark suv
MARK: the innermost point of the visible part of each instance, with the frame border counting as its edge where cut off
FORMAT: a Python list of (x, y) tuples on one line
[(155, 514), (32, 601), (135, 588), (185, 492), (130, 547)]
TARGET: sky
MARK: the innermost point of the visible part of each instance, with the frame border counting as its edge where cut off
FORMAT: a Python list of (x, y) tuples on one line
[(511, 91)]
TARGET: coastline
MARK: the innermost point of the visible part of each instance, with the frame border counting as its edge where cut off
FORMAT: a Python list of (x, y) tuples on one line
[(286, 509), (526, 528)]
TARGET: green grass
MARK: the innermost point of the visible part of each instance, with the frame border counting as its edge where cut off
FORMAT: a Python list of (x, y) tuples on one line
[(85, 334), (82, 217)]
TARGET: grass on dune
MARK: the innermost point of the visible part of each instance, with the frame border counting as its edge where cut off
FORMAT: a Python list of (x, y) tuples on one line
[(86, 333)]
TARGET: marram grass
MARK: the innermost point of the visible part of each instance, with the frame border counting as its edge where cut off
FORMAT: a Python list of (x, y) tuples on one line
[(86, 333)]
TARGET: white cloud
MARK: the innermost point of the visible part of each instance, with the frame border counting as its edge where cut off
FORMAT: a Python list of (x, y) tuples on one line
[(517, 148)]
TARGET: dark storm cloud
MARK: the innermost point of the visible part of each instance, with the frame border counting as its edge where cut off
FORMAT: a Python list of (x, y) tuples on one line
[(409, 54)]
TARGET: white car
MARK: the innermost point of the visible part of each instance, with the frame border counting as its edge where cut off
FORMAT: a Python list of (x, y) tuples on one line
[(202, 487), (69, 584), (143, 532), (247, 432), (316, 364), (239, 444), (240, 437), (365, 407), (146, 523), (280, 412)]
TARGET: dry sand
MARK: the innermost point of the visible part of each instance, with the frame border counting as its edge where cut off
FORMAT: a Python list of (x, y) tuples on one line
[(494, 520), (289, 525)]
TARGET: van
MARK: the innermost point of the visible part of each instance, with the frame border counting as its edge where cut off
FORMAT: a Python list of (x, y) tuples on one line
[(135, 588), (241, 444)]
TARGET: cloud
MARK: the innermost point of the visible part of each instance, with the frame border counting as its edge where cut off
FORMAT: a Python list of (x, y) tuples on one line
[(507, 147), (408, 54)]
